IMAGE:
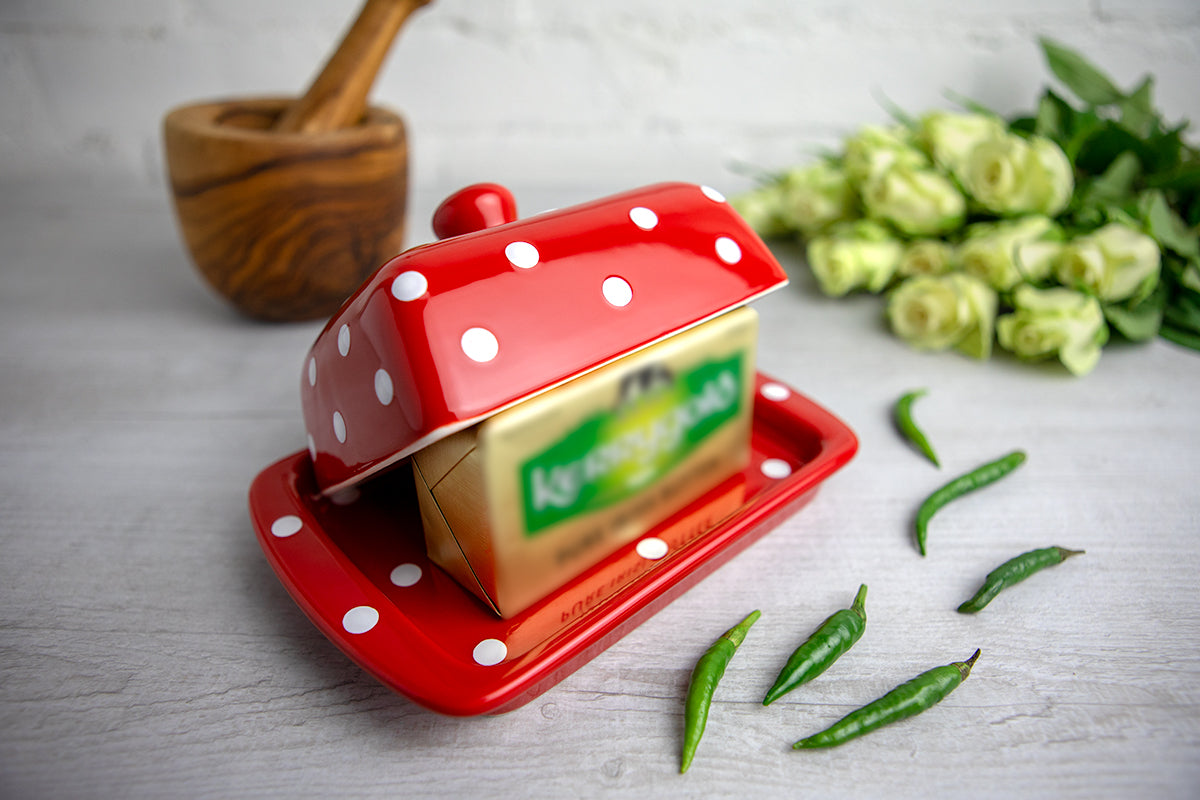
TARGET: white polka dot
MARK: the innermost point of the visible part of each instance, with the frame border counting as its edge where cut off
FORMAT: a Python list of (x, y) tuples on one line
[(339, 426), (383, 386), (728, 250), (312, 448), (406, 575), (617, 291), (776, 468), (775, 391), (360, 619), (409, 286), (521, 254), (286, 526), (480, 344), (489, 652), (312, 372), (712, 194), (643, 217), (344, 339), (345, 497), (652, 548)]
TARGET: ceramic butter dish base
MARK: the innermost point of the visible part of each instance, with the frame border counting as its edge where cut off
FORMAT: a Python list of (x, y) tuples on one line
[(355, 563)]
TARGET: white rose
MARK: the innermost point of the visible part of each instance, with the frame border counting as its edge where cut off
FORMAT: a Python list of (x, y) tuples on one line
[(937, 312), (857, 255), (1010, 176), (949, 136), (1054, 322), (926, 257), (815, 196), (1052, 180), (918, 202), (762, 209), (1008, 252), (1113, 263), (875, 148)]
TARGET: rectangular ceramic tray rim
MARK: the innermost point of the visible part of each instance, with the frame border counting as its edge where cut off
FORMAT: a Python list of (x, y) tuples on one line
[(575, 644)]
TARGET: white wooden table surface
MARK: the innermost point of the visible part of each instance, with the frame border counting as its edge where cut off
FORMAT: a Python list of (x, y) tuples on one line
[(147, 649)]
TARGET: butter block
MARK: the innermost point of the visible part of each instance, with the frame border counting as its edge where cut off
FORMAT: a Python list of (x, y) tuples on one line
[(521, 503)]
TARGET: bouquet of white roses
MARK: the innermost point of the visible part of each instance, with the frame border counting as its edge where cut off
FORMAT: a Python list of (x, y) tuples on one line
[(1039, 233)]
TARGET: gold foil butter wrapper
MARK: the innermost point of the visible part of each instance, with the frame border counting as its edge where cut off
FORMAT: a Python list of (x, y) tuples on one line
[(528, 499)]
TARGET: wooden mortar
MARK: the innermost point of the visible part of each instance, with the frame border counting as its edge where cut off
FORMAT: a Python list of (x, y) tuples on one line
[(288, 205)]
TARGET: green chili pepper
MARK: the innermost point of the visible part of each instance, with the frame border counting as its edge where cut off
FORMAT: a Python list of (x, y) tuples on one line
[(975, 479), (707, 673), (1013, 572), (904, 421), (906, 700), (828, 642)]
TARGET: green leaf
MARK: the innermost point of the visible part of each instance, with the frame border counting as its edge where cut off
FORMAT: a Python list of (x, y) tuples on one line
[(1191, 209), (1087, 127), (1180, 336), (1025, 124), (1166, 227), (1088, 83), (1088, 217), (896, 112), (1137, 110), (1183, 312), (1189, 277), (1181, 317), (1184, 176), (1100, 145), (760, 175), (1116, 183), (1086, 214), (970, 104), (1163, 151), (1055, 118), (1140, 320)]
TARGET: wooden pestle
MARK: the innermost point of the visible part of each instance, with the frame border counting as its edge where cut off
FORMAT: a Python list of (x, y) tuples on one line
[(337, 97), (285, 205)]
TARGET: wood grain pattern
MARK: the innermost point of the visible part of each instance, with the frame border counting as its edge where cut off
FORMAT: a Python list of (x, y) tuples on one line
[(285, 226), (338, 95)]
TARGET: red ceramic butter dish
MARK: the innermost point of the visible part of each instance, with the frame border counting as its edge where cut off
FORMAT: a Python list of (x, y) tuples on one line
[(449, 334), (355, 563)]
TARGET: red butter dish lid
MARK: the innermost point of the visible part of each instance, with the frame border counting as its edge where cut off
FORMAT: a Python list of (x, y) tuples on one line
[(447, 334)]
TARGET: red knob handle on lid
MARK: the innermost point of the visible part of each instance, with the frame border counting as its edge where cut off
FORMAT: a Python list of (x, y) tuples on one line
[(479, 206)]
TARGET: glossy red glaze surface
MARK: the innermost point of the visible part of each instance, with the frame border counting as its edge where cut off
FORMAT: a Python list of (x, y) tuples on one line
[(448, 333), (474, 208), (355, 563)]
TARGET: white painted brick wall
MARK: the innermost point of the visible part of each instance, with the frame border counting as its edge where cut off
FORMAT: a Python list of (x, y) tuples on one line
[(554, 92)]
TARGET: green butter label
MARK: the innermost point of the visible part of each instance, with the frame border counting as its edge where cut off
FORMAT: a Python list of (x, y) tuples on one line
[(614, 454)]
